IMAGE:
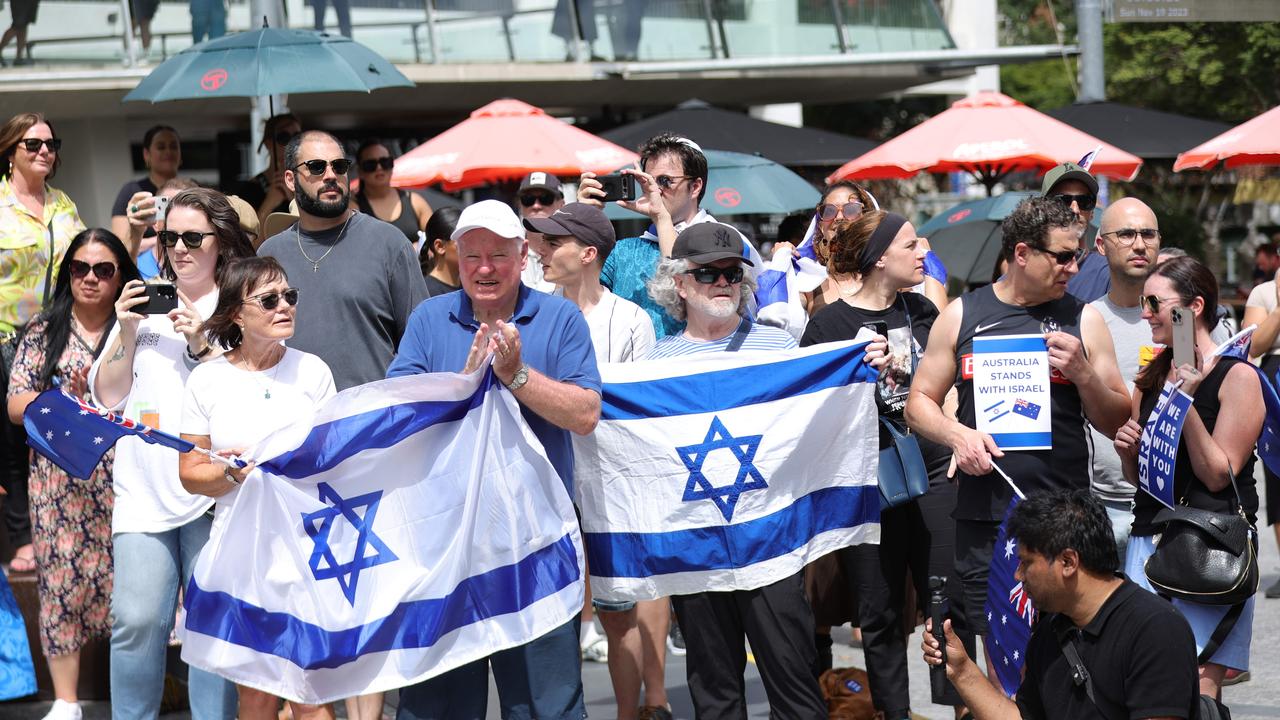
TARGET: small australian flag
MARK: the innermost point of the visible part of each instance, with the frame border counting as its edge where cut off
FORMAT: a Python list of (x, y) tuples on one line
[(1026, 409), (1010, 614)]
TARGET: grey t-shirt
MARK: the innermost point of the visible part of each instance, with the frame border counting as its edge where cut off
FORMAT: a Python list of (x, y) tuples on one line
[(355, 303), (1134, 349)]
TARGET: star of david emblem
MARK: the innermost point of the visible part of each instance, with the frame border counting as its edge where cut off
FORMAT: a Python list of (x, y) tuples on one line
[(318, 524), (748, 478)]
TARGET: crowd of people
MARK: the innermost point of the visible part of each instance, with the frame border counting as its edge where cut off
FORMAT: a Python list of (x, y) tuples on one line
[(295, 287)]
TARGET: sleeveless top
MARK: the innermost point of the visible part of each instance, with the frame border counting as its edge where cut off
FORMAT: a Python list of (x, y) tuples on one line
[(406, 223), (1067, 465), (1187, 488)]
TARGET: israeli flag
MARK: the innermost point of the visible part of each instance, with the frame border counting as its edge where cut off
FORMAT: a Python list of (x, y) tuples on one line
[(727, 471), (411, 526), (778, 287)]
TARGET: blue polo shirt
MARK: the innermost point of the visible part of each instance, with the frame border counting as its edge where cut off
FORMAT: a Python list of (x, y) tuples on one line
[(554, 340)]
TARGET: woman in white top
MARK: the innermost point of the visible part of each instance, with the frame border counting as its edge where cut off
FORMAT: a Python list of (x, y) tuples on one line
[(237, 399), (157, 526)]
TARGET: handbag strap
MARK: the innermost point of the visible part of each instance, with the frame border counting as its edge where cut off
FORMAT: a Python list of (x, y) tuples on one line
[(739, 336), (1079, 673), (1220, 633)]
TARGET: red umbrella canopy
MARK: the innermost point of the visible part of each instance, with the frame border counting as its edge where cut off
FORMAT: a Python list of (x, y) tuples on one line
[(1256, 142), (988, 134), (505, 140)]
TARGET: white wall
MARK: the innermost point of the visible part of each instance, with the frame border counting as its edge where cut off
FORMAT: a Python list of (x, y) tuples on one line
[(95, 163)]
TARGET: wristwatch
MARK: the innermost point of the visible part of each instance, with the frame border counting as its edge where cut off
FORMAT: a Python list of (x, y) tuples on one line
[(226, 474), (519, 379)]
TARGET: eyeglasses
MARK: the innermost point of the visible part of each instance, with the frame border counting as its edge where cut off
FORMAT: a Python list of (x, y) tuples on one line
[(531, 199), (1152, 302), (709, 275), (284, 136), (1063, 257), (1127, 236), (270, 301), (191, 238), (1084, 202), (32, 145), (315, 168), (666, 182), (80, 269), (373, 164), (848, 211)]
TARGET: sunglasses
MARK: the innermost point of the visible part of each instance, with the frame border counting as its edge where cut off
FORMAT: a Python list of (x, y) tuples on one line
[(848, 211), (532, 199), (373, 164), (80, 269), (191, 238), (270, 301), (1153, 302), (283, 137), (1127, 236), (1084, 202), (709, 275), (32, 145), (666, 182), (315, 168), (1063, 257)]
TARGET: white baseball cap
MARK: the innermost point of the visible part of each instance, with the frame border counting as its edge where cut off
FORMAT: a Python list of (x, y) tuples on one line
[(492, 215)]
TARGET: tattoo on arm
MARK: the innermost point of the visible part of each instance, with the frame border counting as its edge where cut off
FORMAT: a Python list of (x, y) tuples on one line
[(119, 354)]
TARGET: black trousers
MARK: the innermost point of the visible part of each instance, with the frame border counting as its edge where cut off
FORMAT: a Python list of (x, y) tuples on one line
[(918, 537), (14, 468), (777, 621)]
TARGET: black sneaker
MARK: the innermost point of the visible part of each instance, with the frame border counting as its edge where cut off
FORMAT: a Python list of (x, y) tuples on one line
[(1273, 592), (675, 640)]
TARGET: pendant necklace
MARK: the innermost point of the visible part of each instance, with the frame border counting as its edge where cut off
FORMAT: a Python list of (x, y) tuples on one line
[(315, 264), (266, 389)]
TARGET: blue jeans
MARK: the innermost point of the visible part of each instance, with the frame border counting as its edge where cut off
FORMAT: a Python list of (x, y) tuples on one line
[(208, 20), (148, 567), (541, 679)]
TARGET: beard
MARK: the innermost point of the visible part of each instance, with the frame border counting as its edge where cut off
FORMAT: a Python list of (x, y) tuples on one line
[(313, 205), (717, 307)]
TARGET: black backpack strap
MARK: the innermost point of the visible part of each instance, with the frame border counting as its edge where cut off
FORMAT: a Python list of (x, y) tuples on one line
[(1079, 673), (1220, 633), (739, 336)]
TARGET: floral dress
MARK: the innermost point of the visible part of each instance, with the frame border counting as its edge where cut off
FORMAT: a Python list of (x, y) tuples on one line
[(70, 520)]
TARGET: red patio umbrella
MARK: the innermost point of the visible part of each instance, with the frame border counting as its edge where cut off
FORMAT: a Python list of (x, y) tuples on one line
[(1256, 142), (503, 141), (989, 135)]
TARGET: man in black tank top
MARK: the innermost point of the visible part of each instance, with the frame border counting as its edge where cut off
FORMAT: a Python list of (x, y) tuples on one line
[(1041, 243)]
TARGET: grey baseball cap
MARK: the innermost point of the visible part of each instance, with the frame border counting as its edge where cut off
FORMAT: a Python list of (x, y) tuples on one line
[(1067, 171)]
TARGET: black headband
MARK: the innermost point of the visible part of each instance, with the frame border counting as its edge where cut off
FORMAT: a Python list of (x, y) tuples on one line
[(880, 240)]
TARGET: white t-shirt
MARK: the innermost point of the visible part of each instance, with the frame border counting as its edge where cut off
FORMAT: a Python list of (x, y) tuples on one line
[(1264, 296), (621, 330), (230, 406), (148, 495)]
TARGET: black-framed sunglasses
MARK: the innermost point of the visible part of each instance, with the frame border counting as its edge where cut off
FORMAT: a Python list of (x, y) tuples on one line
[(848, 211), (270, 301), (1154, 302), (1127, 236), (315, 168), (1063, 257), (666, 182), (284, 137), (709, 275), (1084, 202), (530, 199), (191, 238), (32, 145), (373, 164), (104, 270)]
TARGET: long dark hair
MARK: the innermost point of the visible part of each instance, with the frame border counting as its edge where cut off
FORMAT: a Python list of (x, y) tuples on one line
[(233, 243), (1190, 280), (240, 277), (439, 226), (57, 315)]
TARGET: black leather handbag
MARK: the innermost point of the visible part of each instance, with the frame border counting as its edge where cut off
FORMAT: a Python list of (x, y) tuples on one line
[(903, 476)]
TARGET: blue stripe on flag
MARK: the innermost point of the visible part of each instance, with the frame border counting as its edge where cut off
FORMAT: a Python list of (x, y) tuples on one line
[(1025, 439), (416, 624), (771, 287), (331, 443), (732, 546), (1008, 345), (720, 390)]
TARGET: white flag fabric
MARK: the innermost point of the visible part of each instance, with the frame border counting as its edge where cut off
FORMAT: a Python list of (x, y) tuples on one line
[(778, 287), (727, 471), (411, 526)]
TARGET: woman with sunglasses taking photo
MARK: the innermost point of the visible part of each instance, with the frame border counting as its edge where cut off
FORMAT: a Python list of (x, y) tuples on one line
[(71, 518), (37, 222), (237, 399), (408, 211), (158, 527)]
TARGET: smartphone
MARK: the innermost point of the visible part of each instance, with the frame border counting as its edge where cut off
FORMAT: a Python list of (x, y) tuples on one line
[(161, 298), (878, 327), (618, 187), (1184, 337), (162, 207)]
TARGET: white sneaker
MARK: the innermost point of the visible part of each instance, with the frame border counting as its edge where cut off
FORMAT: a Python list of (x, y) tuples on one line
[(63, 710), (597, 650)]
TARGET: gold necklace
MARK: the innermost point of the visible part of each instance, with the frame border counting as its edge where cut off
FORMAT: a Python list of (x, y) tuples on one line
[(315, 264)]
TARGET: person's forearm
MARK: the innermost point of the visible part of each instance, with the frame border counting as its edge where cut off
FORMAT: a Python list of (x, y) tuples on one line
[(666, 233), (1105, 407), (115, 372), (926, 417), (564, 405), (980, 696), (18, 403), (1265, 336), (201, 476)]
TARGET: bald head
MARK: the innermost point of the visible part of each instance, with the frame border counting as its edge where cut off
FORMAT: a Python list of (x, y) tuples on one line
[(1129, 238)]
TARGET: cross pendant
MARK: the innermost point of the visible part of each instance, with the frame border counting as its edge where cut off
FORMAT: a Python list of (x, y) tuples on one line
[(315, 267), (266, 395)]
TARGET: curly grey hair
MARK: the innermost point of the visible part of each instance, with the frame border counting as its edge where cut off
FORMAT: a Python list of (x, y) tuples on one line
[(662, 288)]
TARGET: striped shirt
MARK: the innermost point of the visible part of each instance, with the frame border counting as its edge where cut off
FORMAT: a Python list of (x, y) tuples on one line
[(761, 337)]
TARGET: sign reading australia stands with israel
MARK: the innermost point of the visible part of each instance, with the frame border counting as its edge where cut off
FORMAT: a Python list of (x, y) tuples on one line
[(1011, 391), (1195, 10)]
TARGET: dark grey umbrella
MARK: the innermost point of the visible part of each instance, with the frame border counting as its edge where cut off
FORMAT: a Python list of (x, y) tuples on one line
[(1149, 134)]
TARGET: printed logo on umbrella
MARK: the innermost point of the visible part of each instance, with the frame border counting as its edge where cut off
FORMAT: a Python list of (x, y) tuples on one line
[(728, 197), (213, 80), (958, 216)]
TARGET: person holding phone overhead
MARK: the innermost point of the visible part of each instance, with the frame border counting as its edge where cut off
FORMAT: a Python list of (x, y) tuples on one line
[(158, 528)]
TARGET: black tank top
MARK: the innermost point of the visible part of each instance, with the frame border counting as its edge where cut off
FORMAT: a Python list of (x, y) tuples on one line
[(1186, 486), (407, 222), (1067, 464)]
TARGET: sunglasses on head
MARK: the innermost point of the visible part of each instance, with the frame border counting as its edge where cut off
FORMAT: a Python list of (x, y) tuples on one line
[(531, 199), (373, 164), (33, 144), (1154, 302), (1084, 202), (848, 211), (1063, 257), (316, 168), (270, 301), (284, 136), (191, 238), (104, 270), (709, 275)]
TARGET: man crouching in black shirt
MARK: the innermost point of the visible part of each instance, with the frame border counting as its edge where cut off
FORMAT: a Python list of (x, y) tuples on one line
[(1103, 647)]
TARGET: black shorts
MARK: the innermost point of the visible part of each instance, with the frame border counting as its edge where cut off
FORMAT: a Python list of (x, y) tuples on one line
[(24, 11), (144, 9), (967, 588)]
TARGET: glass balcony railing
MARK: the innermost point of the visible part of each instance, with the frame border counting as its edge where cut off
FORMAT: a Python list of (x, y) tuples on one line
[(501, 31)]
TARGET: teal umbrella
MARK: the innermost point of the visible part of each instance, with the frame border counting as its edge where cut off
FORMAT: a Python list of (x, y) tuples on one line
[(741, 184), (268, 61)]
